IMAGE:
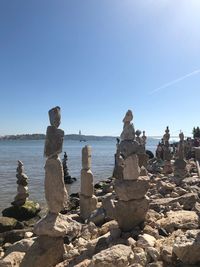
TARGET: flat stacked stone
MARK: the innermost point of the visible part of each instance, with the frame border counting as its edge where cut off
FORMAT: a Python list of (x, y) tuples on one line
[(132, 204), (22, 188), (88, 202), (180, 164)]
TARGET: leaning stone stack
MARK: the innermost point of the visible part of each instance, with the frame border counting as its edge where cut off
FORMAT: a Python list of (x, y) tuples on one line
[(132, 204), (88, 202), (22, 188), (48, 247)]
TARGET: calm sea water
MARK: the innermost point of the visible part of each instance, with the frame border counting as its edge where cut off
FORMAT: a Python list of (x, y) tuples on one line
[(31, 154)]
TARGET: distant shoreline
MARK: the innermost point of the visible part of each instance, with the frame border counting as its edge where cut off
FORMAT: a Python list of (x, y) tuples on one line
[(75, 137)]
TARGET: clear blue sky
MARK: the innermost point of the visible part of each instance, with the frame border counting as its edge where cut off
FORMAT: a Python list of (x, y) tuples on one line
[(96, 59)]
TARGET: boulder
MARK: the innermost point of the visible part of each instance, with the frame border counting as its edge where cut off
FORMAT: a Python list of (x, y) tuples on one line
[(21, 213), (130, 213), (188, 201), (115, 256), (146, 241), (182, 219), (187, 247), (7, 224), (97, 216), (45, 252), (14, 259), (56, 225), (20, 246)]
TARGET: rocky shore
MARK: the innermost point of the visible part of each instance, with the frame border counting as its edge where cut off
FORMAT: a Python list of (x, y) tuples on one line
[(146, 215)]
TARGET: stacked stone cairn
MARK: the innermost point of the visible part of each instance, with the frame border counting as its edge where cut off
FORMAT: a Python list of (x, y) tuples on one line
[(131, 205), (48, 248), (142, 156), (180, 164), (67, 178), (22, 188), (88, 202), (167, 153)]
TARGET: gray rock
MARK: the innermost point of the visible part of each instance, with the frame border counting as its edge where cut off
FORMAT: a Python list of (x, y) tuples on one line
[(115, 256), (130, 213), (182, 219), (188, 201), (57, 225), (187, 247), (54, 141), (45, 252), (129, 190), (7, 224)]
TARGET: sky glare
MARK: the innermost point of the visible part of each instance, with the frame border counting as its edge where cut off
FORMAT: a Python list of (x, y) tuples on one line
[(96, 60)]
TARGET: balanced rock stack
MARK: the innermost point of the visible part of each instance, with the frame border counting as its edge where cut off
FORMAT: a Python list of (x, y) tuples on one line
[(48, 248), (142, 156), (132, 204), (88, 202), (22, 188), (167, 153), (180, 164)]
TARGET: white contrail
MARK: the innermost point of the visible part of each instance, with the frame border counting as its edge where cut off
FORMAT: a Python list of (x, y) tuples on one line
[(175, 81)]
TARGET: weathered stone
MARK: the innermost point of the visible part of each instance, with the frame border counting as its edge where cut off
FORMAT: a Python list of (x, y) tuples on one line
[(188, 201), (153, 252), (115, 256), (127, 148), (86, 157), (55, 116), (7, 224), (20, 246), (87, 205), (130, 213), (108, 205), (129, 190), (140, 257), (187, 247), (131, 169), (97, 216), (167, 169), (14, 259), (87, 188), (106, 227), (29, 210), (142, 159), (128, 133), (45, 252), (146, 241), (143, 171), (55, 191), (57, 225), (182, 219), (54, 141)]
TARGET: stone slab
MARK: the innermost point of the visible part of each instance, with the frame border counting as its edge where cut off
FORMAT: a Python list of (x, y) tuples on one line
[(131, 213), (129, 190)]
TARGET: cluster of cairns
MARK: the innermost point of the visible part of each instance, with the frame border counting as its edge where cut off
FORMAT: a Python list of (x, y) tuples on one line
[(145, 215)]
